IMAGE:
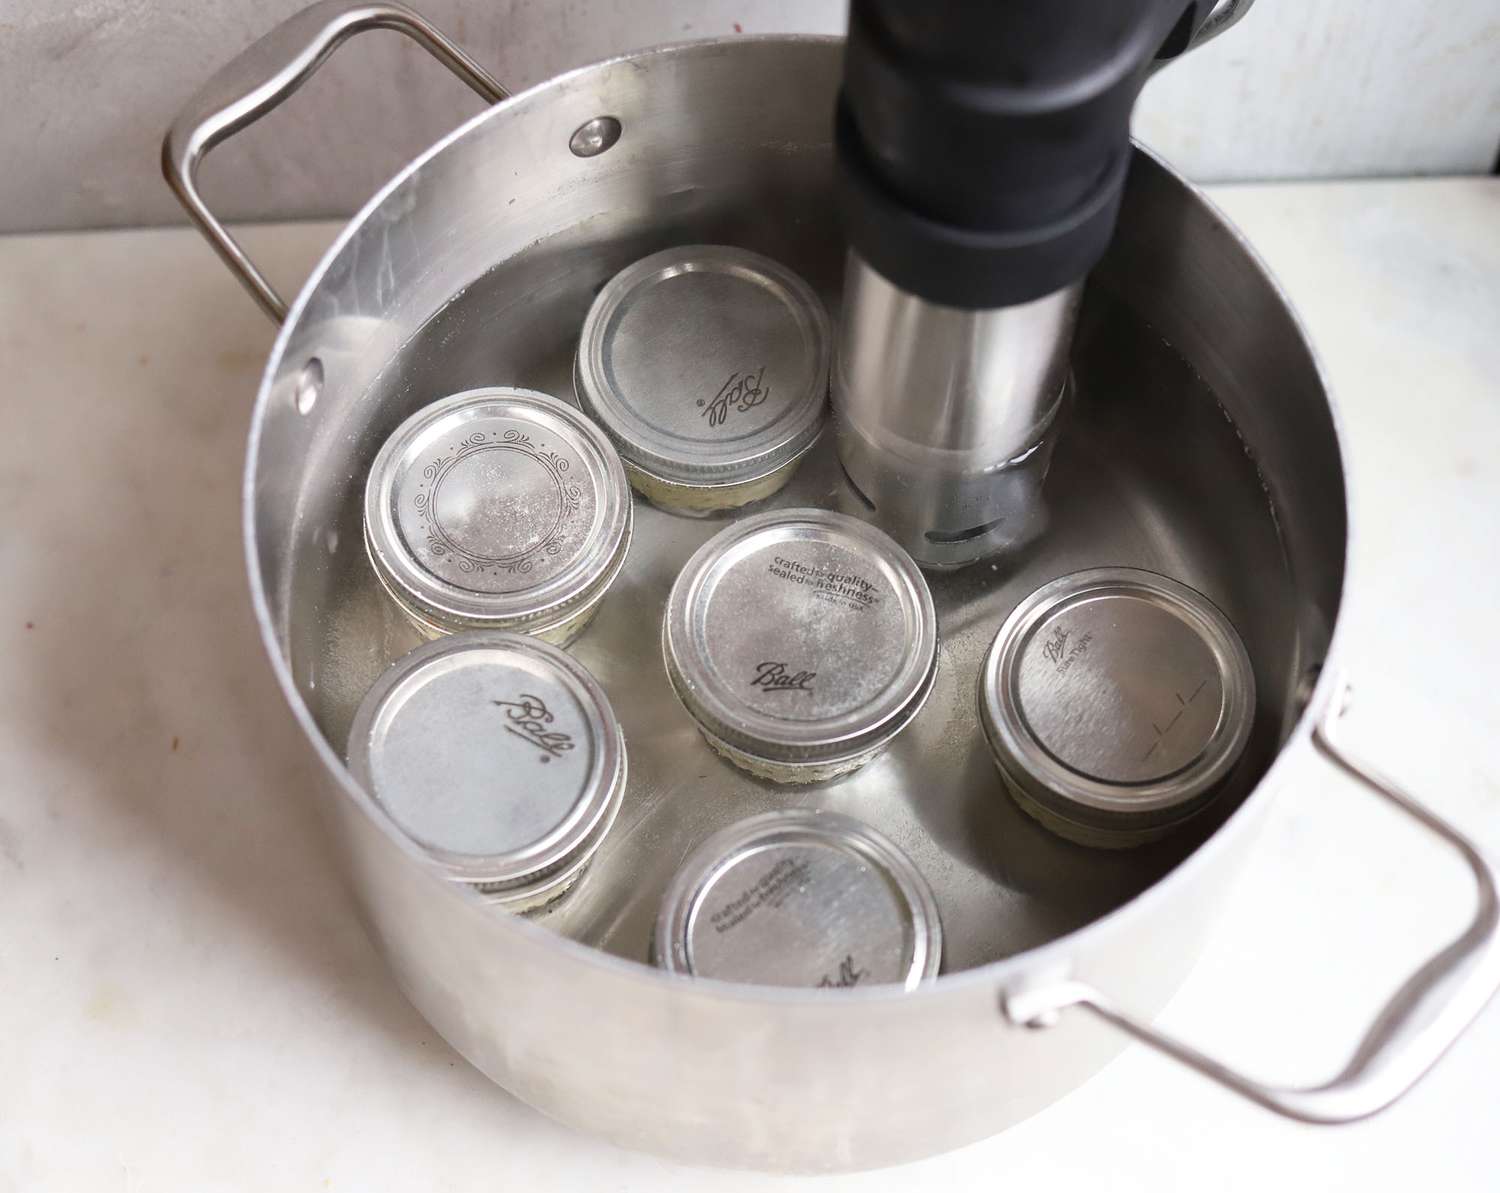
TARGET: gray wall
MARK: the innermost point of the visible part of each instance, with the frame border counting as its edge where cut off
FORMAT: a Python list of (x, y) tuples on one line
[(1299, 89)]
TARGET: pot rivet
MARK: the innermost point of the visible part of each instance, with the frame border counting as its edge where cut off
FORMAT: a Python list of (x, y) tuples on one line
[(1307, 683), (595, 136), (309, 386)]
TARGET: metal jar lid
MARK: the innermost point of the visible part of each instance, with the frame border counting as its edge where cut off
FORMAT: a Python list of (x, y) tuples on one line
[(1117, 699), (497, 508), (707, 365), (801, 636), (497, 753), (800, 898)]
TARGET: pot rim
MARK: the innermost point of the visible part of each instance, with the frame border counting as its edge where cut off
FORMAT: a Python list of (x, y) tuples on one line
[(1050, 958)]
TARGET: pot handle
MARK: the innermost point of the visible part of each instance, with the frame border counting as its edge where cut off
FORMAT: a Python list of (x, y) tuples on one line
[(264, 75), (1419, 1023)]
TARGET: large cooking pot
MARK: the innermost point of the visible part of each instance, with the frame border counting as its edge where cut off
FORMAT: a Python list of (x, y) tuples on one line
[(1202, 444)]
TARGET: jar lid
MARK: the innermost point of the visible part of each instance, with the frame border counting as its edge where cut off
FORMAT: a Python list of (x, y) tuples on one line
[(800, 898), (496, 508), (801, 636), (706, 364), (1117, 698), (496, 752)]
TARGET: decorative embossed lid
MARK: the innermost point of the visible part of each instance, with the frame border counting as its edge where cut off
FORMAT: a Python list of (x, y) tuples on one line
[(707, 365), (496, 752), (1116, 697), (800, 898), (801, 636), (499, 508)]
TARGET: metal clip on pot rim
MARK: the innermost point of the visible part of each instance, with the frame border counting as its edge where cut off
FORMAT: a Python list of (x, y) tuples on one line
[(1414, 1029)]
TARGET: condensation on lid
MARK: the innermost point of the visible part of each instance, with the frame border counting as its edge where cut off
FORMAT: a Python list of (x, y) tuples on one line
[(706, 364), (800, 635), (497, 506), (1118, 690), (497, 753), (800, 898)]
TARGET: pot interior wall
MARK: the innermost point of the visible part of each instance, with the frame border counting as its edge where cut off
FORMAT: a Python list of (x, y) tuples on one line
[(1199, 446)]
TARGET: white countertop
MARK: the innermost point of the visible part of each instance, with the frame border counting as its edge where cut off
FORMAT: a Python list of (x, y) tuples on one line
[(188, 1003)]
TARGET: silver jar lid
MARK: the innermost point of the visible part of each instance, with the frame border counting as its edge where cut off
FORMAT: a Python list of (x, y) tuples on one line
[(1116, 699), (801, 636), (497, 753), (707, 365), (497, 508), (800, 898)]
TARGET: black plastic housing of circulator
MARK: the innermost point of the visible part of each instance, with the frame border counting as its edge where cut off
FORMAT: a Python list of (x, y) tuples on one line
[(982, 145)]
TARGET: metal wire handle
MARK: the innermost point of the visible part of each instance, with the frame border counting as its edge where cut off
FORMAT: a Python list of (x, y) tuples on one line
[(260, 79), (1419, 1023)]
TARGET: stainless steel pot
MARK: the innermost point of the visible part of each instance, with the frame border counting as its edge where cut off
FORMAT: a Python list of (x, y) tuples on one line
[(475, 266)]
